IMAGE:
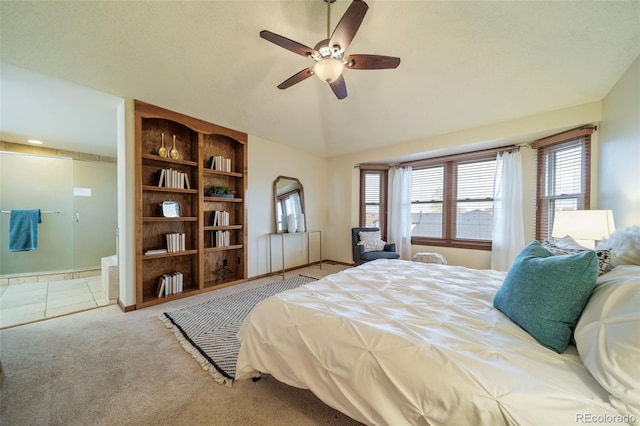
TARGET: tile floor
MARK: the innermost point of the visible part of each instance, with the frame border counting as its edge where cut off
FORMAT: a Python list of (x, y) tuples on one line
[(26, 302)]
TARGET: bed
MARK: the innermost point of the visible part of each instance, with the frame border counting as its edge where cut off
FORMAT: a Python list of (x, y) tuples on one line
[(396, 342)]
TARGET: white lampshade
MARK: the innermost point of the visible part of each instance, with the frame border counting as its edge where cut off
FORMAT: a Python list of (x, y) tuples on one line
[(584, 226), (328, 69)]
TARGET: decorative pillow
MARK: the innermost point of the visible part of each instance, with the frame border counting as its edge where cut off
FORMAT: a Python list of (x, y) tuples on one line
[(371, 241), (608, 337), (567, 245), (545, 294), (625, 243)]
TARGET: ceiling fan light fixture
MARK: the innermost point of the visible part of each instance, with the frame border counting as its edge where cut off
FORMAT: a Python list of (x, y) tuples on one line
[(328, 69), (329, 54)]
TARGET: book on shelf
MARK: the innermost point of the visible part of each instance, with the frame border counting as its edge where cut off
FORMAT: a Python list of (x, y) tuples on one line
[(175, 242), (161, 284), (169, 284), (218, 162), (155, 251), (171, 178), (219, 218), (220, 239)]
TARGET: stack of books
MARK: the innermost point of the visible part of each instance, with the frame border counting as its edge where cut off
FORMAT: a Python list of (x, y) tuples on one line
[(219, 218), (171, 178), (175, 242), (220, 239), (155, 251), (169, 284), (218, 162)]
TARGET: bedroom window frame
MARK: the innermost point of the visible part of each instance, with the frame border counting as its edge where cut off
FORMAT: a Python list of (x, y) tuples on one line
[(548, 171), (449, 199), (382, 173)]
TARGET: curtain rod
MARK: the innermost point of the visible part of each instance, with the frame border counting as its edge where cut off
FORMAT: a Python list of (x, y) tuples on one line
[(464, 155), (564, 136)]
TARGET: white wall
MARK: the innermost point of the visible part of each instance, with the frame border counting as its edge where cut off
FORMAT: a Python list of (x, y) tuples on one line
[(126, 203), (343, 176), (267, 161), (619, 188)]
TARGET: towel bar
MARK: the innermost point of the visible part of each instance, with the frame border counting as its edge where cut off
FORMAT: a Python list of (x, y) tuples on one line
[(41, 211)]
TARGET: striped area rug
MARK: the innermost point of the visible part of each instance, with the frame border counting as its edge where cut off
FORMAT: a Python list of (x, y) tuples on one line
[(208, 331)]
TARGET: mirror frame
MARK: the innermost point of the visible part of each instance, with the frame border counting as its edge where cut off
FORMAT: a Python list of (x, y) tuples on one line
[(275, 202)]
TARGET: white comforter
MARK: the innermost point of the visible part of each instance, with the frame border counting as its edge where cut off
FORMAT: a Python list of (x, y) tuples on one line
[(395, 342)]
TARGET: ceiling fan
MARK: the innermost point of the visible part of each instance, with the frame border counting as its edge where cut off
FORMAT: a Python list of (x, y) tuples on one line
[(328, 54)]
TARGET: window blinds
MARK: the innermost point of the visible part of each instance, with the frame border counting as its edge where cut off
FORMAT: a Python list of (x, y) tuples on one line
[(563, 180)]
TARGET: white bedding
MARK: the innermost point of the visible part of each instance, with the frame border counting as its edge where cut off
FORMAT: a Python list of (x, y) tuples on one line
[(395, 342)]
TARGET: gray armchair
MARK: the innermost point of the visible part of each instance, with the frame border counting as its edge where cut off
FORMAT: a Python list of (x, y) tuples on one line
[(360, 256)]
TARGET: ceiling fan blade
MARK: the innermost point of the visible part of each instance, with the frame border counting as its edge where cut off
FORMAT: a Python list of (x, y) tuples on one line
[(348, 25), (288, 44), (296, 78), (339, 87), (371, 62)]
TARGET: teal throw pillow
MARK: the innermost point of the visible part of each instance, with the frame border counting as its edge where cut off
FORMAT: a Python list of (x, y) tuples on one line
[(545, 294)]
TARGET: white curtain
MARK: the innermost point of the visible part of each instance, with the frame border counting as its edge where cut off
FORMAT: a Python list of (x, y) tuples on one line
[(399, 225), (508, 227)]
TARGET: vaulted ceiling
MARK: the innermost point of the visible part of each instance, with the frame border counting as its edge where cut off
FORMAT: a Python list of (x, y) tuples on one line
[(65, 65)]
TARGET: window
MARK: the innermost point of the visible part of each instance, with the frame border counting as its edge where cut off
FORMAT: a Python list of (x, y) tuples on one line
[(373, 198), (474, 200), (563, 176), (427, 202), (452, 200)]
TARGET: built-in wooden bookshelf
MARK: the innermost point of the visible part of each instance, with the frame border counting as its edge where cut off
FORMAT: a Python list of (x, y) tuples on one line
[(209, 260)]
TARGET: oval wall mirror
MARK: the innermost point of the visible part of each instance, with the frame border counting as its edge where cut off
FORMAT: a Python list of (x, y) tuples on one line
[(288, 196)]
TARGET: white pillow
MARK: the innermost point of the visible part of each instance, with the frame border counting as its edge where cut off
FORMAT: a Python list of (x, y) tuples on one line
[(625, 243), (567, 245), (371, 240), (608, 337)]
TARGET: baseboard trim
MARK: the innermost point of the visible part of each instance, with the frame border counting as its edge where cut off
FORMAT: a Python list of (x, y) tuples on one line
[(126, 308), (337, 262), (279, 271)]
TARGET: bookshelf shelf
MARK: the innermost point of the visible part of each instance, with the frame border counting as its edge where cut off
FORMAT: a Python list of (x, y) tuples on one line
[(196, 142), (169, 219), (222, 228), (172, 254), (223, 200), (221, 173), (168, 161), (225, 248), (162, 189)]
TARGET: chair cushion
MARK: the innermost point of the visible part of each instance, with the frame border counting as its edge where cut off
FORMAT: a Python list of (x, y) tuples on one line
[(373, 255)]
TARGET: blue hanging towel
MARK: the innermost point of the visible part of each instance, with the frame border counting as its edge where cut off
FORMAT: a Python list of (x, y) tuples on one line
[(23, 230)]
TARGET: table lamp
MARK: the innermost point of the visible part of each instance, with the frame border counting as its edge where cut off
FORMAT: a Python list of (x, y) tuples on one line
[(584, 226)]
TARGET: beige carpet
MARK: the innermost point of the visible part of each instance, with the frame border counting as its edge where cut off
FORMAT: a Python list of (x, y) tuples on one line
[(104, 367)]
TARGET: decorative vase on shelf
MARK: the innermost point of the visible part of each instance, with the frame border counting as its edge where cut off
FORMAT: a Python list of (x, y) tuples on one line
[(300, 219), (291, 223)]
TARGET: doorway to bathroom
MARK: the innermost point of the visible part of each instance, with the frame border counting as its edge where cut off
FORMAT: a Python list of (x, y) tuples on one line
[(76, 195)]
